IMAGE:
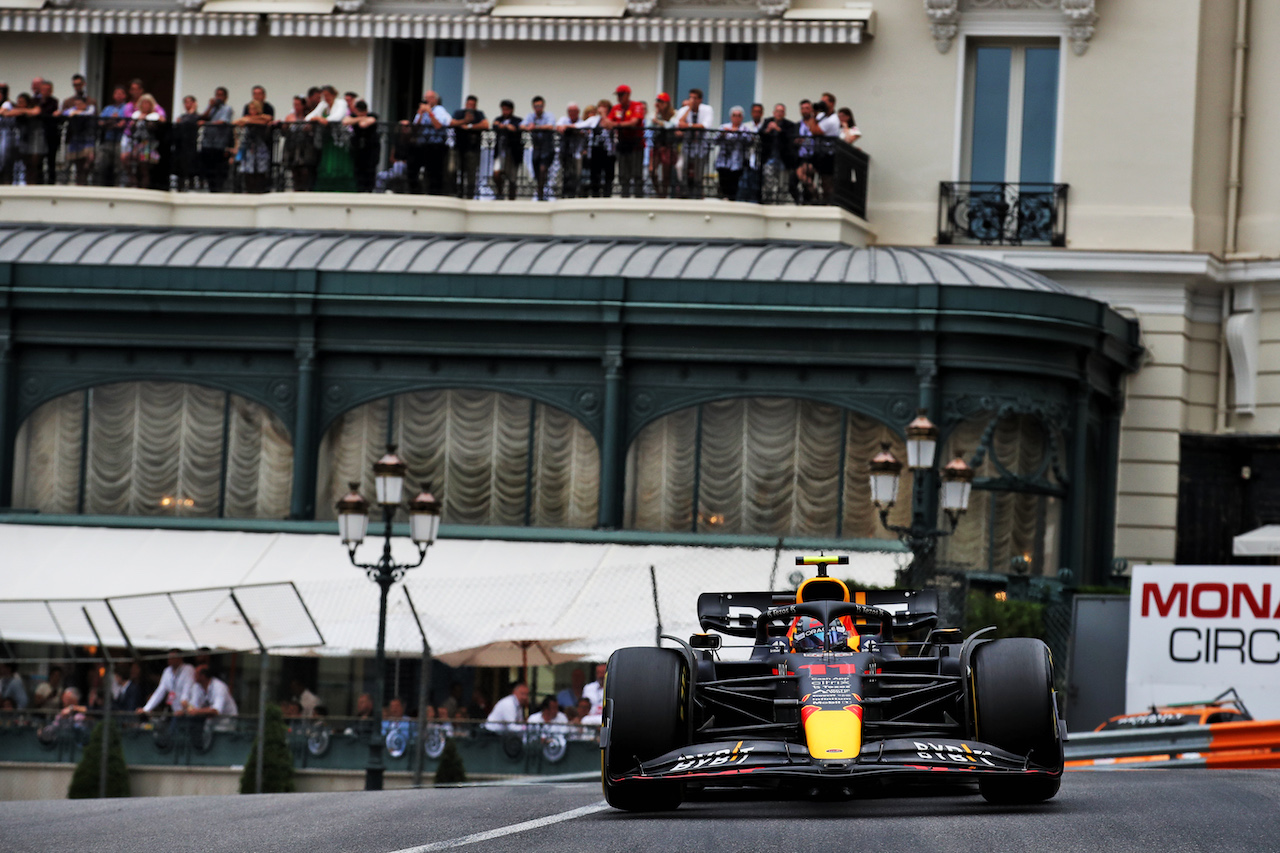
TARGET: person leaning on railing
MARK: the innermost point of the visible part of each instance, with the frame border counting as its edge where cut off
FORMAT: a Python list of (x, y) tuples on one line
[(663, 149), (112, 120), (508, 151), (694, 118), (8, 137), (185, 152), (252, 151), (570, 150), (626, 119), (602, 156), (469, 124), (81, 136), (216, 140), (731, 158), (366, 147), (301, 149), (140, 145), (335, 172)]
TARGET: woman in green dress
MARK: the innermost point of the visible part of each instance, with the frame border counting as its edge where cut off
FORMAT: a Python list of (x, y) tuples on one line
[(336, 173)]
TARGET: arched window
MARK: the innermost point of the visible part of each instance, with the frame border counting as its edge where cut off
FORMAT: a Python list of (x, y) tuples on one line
[(1014, 522), (493, 458), (154, 448), (760, 465)]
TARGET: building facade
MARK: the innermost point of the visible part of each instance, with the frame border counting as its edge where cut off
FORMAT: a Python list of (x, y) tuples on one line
[(1136, 130)]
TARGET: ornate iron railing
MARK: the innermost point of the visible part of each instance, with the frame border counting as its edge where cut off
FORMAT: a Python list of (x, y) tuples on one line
[(402, 158), (1006, 214)]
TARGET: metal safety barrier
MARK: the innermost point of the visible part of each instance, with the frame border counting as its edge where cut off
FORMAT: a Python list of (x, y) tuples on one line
[(1221, 745)]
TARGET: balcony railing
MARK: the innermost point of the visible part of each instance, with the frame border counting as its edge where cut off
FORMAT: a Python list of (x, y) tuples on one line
[(399, 158), (1005, 214)]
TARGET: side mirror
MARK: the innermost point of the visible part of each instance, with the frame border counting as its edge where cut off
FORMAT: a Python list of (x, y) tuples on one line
[(705, 641)]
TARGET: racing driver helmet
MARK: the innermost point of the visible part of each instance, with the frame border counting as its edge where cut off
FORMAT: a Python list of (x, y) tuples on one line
[(810, 635)]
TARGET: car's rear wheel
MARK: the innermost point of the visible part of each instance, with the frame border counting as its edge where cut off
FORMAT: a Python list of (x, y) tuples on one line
[(1013, 708), (645, 692)]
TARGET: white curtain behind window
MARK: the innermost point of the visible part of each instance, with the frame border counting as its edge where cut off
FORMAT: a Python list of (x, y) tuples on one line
[(473, 446), (767, 465), (155, 448)]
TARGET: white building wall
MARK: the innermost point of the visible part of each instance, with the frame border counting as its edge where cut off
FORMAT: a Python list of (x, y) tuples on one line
[(52, 56)]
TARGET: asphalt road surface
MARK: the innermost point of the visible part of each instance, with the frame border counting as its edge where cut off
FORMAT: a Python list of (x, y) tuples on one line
[(1170, 811)]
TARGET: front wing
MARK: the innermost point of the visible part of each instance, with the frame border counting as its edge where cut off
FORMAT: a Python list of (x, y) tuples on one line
[(748, 762)]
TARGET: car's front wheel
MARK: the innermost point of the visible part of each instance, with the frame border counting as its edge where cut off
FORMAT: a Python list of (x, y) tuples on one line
[(1013, 708), (645, 699)]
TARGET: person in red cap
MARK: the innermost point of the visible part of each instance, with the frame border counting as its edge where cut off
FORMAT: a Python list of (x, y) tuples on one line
[(626, 119), (662, 154)]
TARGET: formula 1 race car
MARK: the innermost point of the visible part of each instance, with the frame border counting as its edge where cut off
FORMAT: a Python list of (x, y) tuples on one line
[(840, 690)]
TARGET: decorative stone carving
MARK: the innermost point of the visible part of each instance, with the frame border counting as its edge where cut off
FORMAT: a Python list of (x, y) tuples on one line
[(1082, 17), (944, 17), (350, 6), (944, 21), (480, 7), (641, 8), (773, 8)]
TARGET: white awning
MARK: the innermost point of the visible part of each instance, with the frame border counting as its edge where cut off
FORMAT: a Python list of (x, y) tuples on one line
[(21, 4), (568, 9), (1263, 542), (620, 30), (265, 7), (128, 22), (465, 592)]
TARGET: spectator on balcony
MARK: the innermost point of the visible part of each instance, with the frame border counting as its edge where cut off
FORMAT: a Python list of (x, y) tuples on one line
[(175, 684), (42, 150), (825, 125), (848, 127), (429, 146), (602, 152), (78, 91), (11, 687), (253, 152), (8, 137), (216, 140), (469, 125), (508, 151), (366, 146), (140, 145), (734, 141), (137, 90), (314, 96), (259, 94), (777, 153), (71, 718), (626, 120), (570, 150), (112, 119), (568, 697), (301, 151), (694, 119), (82, 132), (126, 694), (306, 699), (186, 144), (594, 692), (350, 98), (661, 127), (540, 125), (335, 172), (805, 191)]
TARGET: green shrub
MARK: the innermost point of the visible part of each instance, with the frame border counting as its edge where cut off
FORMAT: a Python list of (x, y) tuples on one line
[(450, 770), (1011, 618), (84, 782), (277, 763)]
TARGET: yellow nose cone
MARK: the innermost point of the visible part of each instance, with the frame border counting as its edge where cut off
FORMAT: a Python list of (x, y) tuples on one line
[(833, 734)]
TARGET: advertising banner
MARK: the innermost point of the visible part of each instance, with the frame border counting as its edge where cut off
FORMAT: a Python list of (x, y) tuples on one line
[(1195, 631)]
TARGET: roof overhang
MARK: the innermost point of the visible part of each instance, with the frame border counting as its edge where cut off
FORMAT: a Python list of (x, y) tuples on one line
[(1262, 542), (534, 28), (128, 22)]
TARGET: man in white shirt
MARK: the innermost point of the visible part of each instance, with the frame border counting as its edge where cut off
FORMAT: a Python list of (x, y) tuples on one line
[(698, 118), (571, 146), (550, 720), (510, 712), (594, 692), (175, 685), (217, 701)]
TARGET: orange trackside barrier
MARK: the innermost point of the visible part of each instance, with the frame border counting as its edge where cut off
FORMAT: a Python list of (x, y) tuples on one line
[(1251, 744)]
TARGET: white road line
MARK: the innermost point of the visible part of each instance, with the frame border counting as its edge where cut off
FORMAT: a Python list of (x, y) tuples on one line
[(527, 825)]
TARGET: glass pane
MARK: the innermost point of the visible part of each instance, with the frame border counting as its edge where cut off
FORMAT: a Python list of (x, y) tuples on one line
[(990, 113), (693, 71), (446, 73), (1039, 114), (739, 80)]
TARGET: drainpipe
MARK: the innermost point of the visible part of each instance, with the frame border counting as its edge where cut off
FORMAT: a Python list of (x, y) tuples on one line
[(1237, 126), (1220, 419)]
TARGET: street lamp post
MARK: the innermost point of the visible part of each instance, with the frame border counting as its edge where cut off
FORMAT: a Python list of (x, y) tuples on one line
[(353, 523), (922, 535)]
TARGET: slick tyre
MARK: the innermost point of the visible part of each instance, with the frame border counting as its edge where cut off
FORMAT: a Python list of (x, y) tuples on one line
[(645, 699), (1013, 708)]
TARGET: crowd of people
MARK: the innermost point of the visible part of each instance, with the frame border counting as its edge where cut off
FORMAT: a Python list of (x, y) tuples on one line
[(329, 141), (193, 693)]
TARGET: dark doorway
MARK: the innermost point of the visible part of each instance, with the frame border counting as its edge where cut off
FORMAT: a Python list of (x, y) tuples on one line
[(152, 59), (1227, 485), (407, 59)]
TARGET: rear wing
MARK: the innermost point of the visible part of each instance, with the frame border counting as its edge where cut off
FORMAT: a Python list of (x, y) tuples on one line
[(735, 613)]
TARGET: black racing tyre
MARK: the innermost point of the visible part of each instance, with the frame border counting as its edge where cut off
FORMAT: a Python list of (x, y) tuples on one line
[(1013, 708), (645, 699)]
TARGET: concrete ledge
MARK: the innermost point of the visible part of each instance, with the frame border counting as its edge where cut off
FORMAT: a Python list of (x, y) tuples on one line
[(708, 219)]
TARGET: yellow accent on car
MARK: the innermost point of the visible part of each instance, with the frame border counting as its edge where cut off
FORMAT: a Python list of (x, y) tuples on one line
[(833, 734)]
